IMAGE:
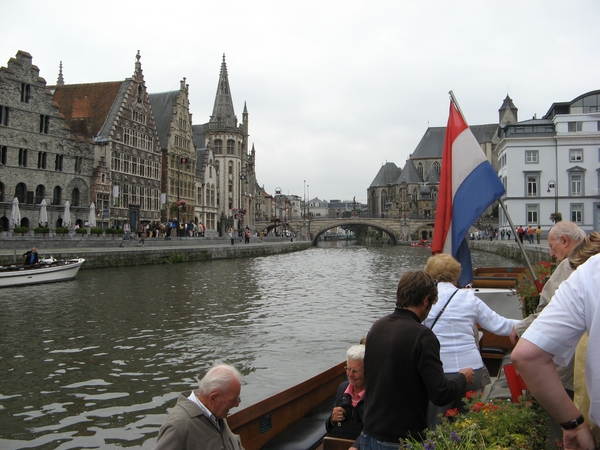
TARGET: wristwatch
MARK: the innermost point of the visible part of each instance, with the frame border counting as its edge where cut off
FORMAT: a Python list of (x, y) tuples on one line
[(572, 424)]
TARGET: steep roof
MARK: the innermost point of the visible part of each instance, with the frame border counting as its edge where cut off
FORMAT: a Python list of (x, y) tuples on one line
[(388, 174), (223, 111), (431, 144), (198, 136), (92, 102), (162, 104), (410, 174)]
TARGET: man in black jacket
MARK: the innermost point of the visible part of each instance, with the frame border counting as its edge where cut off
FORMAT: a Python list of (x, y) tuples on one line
[(31, 257), (403, 370)]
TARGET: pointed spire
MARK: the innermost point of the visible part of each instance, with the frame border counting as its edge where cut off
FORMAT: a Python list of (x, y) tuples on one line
[(223, 109), (61, 80), (508, 112), (137, 74)]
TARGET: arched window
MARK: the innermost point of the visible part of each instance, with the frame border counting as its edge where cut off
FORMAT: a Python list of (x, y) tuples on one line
[(218, 146), (420, 169), (21, 192), (2, 192), (437, 167), (40, 193), (75, 197), (57, 195), (383, 200), (230, 168)]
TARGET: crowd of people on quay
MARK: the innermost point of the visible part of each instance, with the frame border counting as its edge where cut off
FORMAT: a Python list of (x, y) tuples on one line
[(420, 361)]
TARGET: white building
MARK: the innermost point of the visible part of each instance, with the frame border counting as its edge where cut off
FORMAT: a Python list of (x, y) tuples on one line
[(552, 165)]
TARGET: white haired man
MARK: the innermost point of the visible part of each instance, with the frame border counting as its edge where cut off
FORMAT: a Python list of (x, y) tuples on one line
[(198, 419)]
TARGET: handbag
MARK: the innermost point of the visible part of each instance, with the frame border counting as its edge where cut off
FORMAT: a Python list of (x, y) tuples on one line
[(443, 309)]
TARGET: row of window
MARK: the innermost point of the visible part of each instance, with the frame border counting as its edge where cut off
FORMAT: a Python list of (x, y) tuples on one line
[(532, 182), (218, 146), (146, 197), (35, 197), (122, 162), (139, 117), (137, 139), (42, 162), (533, 156), (575, 210)]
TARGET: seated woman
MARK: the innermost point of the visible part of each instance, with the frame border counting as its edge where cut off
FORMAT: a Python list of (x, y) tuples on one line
[(349, 406), (453, 319)]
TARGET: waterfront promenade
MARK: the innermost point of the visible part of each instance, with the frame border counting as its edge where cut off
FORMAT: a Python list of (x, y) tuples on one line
[(108, 252)]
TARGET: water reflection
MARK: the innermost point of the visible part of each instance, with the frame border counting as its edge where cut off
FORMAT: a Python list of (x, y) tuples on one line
[(96, 362)]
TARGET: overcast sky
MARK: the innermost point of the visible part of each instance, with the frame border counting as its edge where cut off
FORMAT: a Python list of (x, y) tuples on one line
[(334, 89)]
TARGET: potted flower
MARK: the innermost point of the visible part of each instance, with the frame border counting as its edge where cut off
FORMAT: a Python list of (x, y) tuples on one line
[(494, 424), (527, 290), (41, 231)]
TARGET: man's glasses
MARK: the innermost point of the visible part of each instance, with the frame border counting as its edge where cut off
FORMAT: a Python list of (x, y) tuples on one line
[(352, 371)]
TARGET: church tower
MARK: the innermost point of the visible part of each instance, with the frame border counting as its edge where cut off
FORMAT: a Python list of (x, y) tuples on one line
[(229, 142)]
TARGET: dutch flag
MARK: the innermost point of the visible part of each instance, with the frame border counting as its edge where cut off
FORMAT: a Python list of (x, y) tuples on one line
[(468, 186)]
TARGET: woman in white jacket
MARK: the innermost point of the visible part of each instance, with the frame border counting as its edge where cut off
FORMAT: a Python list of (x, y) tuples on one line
[(453, 319)]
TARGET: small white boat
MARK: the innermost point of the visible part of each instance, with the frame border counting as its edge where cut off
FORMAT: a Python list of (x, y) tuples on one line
[(46, 271)]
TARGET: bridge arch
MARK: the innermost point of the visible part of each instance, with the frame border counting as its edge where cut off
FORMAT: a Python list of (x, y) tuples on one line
[(342, 223)]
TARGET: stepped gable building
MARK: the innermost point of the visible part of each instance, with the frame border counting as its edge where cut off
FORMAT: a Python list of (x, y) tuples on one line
[(235, 165), (117, 117), (413, 193), (550, 166), (173, 120), (40, 158)]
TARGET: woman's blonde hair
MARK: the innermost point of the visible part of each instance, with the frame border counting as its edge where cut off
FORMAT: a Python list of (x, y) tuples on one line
[(443, 267), (585, 250)]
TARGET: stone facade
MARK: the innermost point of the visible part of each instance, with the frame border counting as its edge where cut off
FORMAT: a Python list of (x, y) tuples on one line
[(235, 165), (174, 125), (39, 157), (118, 118)]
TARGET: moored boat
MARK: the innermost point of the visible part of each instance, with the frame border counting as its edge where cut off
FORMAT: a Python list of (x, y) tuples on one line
[(46, 271)]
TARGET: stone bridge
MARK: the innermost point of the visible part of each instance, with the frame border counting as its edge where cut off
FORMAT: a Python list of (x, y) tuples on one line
[(396, 229)]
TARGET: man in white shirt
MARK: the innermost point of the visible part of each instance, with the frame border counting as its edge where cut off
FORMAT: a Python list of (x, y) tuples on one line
[(553, 336)]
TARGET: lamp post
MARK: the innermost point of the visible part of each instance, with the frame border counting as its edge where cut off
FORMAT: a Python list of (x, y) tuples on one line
[(181, 160), (552, 185)]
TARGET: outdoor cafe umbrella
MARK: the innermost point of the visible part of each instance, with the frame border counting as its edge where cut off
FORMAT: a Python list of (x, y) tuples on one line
[(92, 218), (67, 215), (15, 214), (43, 214)]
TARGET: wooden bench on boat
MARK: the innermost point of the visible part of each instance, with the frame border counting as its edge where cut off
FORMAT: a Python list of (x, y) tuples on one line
[(497, 277), (292, 419)]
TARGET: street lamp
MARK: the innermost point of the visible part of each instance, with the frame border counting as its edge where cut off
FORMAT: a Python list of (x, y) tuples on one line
[(552, 185)]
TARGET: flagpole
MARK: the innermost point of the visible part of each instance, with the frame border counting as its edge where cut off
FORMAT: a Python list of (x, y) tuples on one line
[(520, 244), (453, 99)]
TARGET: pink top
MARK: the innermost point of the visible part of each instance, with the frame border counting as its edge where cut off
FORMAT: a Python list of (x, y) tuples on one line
[(355, 399)]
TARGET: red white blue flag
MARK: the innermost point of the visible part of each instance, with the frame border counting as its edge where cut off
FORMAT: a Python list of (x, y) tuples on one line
[(468, 186)]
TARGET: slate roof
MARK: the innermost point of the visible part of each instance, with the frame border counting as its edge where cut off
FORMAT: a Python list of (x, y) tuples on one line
[(410, 174), (432, 142), (198, 136), (162, 105), (388, 174), (201, 164), (93, 101)]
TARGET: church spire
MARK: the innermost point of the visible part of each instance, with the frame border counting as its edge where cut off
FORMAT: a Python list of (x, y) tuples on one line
[(223, 110), (61, 80)]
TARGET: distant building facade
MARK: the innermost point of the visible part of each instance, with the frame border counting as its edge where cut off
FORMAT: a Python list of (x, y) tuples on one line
[(551, 166), (118, 119), (40, 159)]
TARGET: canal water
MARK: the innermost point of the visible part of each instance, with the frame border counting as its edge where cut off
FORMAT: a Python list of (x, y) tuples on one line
[(96, 362)]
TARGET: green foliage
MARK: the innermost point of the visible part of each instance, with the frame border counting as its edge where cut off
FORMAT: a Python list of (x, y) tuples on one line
[(20, 230), (81, 231), (111, 231), (61, 230), (42, 230), (96, 230), (120, 231), (527, 290), (492, 425)]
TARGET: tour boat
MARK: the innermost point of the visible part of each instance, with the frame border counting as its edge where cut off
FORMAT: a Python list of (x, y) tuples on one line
[(46, 271), (295, 418)]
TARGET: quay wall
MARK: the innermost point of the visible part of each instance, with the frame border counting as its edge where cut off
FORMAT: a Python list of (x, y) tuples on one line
[(510, 249), (120, 254)]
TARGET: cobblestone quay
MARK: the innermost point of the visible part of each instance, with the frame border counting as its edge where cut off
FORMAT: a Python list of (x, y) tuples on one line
[(510, 249), (107, 252)]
